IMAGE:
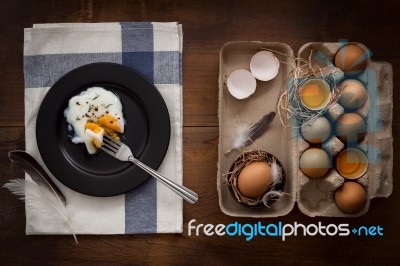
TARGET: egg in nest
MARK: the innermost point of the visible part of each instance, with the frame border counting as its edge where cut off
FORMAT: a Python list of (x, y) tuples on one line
[(93, 113)]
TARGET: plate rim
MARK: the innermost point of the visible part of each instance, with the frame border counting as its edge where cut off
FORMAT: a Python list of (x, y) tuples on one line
[(51, 91)]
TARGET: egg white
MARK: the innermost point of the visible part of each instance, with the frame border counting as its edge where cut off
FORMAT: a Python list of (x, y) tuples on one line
[(89, 137), (90, 105)]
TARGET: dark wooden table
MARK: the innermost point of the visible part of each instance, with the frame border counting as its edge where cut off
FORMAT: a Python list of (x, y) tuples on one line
[(207, 26)]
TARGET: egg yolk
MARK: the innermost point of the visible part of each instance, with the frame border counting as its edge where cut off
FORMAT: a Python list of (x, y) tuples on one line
[(351, 165), (313, 94), (348, 162), (93, 127), (111, 122), (96, 129), (111, 133)]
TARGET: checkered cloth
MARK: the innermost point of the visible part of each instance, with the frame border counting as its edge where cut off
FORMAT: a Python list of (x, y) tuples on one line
[(154, 49)]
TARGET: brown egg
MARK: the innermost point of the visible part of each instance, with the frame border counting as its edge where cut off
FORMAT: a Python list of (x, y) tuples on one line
[(315, 163), (353, 95), (351, 58), (254, 179), (350, 127), (351, 197)]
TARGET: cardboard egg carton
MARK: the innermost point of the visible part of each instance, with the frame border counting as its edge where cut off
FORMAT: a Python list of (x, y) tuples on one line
[(315, 197)]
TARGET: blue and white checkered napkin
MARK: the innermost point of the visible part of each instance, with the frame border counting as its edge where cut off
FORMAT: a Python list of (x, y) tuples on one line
[(154, 49)]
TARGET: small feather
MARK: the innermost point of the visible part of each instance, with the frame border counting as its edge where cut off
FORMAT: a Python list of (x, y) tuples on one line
[(40, 199), (16, 187), (270, 195), (36, 172), (276, 173), (247, 135)]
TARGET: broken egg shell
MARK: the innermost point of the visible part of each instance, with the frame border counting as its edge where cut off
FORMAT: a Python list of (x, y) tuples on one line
[(241, 84), (352, 163), (264, 65), (315, 94)]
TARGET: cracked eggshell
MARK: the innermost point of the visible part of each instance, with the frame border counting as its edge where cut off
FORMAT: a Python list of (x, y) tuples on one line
[(264, 65), (352, 163), (241, 84)]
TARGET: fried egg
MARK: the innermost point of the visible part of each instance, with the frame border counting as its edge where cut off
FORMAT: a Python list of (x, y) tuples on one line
[(93, 113)]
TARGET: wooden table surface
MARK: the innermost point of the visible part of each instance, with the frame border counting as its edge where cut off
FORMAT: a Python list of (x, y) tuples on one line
[(207, 26)]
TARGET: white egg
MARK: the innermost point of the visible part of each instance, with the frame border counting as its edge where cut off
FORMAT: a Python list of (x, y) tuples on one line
[(90, 105), (91, 137), (264, 65), (241, 84)]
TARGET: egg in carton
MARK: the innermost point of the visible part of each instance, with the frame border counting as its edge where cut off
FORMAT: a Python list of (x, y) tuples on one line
[(316, 197), (234, 113)]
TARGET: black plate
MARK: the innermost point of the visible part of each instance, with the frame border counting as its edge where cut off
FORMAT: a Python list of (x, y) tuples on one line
[(147, 131)]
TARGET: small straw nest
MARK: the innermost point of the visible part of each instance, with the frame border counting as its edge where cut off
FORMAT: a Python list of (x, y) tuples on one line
[(290, 110), (243, 160)]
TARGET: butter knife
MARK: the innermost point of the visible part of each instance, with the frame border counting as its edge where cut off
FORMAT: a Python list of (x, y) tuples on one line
[(36, 172)]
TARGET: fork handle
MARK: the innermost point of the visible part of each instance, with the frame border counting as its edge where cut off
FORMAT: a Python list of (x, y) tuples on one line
[(182, 191)]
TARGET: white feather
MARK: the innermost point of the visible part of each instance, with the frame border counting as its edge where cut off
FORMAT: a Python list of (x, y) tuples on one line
[(276, 173), (269, 195), (41, 200), (241, 136), (16, 187), (246, 134)]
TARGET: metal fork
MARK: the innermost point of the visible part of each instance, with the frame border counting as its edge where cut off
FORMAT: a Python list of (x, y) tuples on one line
[(122, 152)]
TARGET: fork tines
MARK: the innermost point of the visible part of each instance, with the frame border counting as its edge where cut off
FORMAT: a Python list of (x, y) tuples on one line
[(110, 144)]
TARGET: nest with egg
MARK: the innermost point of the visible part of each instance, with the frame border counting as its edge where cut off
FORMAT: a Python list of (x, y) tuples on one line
[(275, 184), (290, 106)]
